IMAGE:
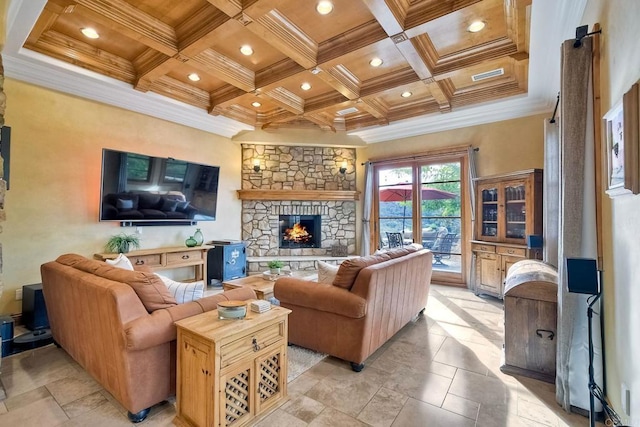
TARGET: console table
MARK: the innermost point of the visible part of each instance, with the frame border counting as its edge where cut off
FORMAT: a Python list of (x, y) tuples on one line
[(168, 258), (230, 371)]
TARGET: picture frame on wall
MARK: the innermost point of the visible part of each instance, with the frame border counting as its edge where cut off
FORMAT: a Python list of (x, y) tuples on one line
[(622, 129)]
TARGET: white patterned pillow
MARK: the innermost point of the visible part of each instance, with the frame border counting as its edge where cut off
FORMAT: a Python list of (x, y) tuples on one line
[(184, 291), (326, 272), (121, 261)]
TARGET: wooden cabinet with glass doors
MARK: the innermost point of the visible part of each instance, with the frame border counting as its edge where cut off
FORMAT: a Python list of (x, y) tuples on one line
[(509, 208)]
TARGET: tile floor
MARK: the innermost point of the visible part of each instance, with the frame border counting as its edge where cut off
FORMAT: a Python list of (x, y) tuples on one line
[(442, 370)]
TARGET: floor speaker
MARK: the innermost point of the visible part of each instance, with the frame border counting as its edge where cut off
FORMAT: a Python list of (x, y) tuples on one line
[(34, 310)]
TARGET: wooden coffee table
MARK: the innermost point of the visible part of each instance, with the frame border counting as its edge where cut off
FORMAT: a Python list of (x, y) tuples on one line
[(262, 287)]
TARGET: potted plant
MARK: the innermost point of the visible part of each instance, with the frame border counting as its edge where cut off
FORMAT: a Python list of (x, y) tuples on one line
[(121, 243), (275, 266)]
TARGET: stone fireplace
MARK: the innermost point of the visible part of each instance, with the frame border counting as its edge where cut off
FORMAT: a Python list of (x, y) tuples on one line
[(297, 185)]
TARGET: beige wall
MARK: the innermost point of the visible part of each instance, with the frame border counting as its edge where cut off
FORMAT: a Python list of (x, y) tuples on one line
[(505, 146), (56, 152), (620, 68)]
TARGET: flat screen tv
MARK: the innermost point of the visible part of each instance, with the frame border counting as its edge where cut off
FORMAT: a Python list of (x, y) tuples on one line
[(138, 189)]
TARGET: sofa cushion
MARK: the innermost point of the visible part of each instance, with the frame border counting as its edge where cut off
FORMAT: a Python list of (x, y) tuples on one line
[(153, 294), (327, 272), (121, 261), (183, 291), (168, 205), (349, 269)]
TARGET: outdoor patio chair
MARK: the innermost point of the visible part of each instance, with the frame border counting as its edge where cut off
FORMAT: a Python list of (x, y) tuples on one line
[(394, 239), (442, 248)]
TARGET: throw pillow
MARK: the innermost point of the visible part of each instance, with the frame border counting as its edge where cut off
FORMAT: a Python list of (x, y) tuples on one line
[(327, 272), (182, 291), (124, 204), (121, 261), (349, 269), (168, 205)]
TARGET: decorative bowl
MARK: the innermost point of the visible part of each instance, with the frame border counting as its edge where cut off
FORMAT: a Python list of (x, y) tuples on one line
[(232, 309)]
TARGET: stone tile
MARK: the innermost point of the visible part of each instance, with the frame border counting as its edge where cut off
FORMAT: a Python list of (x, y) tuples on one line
[(19, 382), (302, 384), (84, 404), (14, 402), (279, 418), (416, 413), (326, 367), (104, 415), (303, 408), (537, 413), (43, 412), (424, 386), (469, 356), (347, 397), (333, 418), (482, 389), (74, 387), (3, 408), (461, 406), (499, 415), (409, 354), (161, 414), (383, 408)]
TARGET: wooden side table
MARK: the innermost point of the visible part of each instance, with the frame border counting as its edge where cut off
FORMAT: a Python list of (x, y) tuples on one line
[(168, 258), (230, 371), (264, 288)]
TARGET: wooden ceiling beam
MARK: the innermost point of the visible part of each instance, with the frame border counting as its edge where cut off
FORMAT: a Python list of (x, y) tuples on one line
[(285, 36), (374, 107), (342, 80), (226, 69), (86, 56), (136, 24), (388, 81), (201, 30), (224, 96), (350, 41), (229, 7), (414, 57), (277, 72), (441, 92), (151, 65), (391, 15), (286, 99), (184, 92)]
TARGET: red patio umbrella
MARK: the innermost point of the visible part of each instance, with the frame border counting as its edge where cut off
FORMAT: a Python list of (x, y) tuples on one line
[(403, 193)]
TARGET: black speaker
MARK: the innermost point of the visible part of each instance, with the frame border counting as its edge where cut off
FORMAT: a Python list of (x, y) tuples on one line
[(582, 276), (34, 310), (6, 332)]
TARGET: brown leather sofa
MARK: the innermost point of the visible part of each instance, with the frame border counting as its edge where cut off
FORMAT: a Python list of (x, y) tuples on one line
[(353, 322), (98, 318)]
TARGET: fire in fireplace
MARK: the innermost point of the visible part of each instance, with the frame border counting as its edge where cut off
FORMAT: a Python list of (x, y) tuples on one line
[(300, 231)]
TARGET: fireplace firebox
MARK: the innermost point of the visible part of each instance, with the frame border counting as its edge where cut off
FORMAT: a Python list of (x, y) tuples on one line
[(300, 231)]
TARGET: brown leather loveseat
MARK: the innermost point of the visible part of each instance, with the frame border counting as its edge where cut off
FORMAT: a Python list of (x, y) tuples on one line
[(370, 299), (125, 341)]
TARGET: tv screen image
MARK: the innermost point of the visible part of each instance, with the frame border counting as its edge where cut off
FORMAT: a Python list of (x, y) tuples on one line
[(137, 188)]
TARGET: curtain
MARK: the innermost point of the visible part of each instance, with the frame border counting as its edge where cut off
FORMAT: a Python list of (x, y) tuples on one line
[(577, 230), (365, 247), (551, 192), (473, 174)]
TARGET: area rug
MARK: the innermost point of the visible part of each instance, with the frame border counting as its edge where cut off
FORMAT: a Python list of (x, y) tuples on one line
[(300, 360)]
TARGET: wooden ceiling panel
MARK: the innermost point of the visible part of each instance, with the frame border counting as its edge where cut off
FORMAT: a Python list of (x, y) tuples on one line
[(112, 41), (449, 33), (424, 45)]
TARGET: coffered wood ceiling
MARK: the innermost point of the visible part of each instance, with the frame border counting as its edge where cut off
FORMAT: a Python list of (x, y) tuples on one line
[(426, 49)]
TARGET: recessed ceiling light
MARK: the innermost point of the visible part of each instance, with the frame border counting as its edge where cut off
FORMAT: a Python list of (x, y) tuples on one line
[(305, 86), (256, 104), (194, 77), (246, 50), (375, 62), (406, 94), (324, 7), (476, 26), (90, 33)]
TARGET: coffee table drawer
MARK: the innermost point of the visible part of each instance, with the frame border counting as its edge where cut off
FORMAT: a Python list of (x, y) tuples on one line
[(252, 343), (183, 257), (152, 260)]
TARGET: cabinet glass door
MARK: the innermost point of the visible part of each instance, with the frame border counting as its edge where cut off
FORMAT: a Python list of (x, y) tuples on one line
[(489, 212), (515, 217)]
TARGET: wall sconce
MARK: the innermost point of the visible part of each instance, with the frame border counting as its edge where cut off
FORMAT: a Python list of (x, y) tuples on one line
[(343, 167), (256, 165)]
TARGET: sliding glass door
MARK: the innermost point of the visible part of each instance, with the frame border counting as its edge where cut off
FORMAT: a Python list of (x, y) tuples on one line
[(422, 201)]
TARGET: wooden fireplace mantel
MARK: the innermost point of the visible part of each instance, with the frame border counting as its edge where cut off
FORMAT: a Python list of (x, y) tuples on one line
[(298, 195)]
